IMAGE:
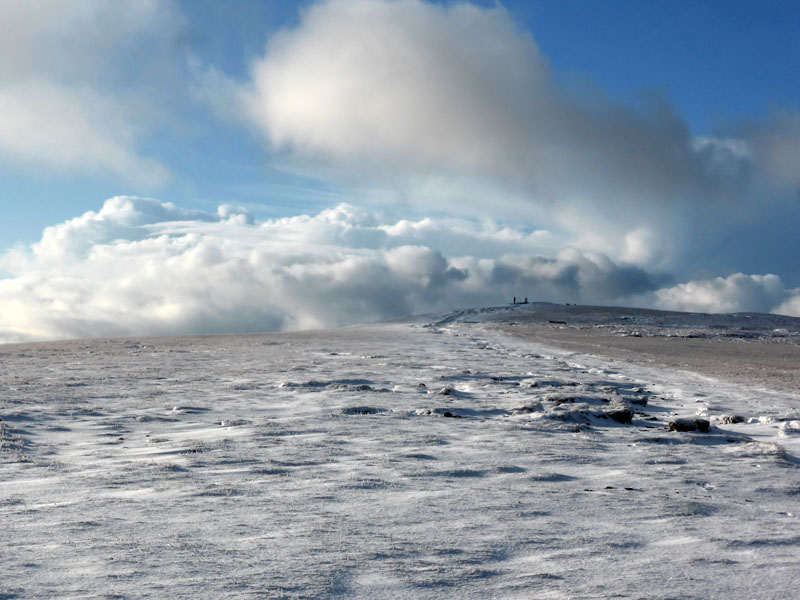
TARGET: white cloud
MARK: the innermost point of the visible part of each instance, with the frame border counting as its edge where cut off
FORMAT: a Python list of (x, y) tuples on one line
[(139, 266), (453, 108), (121, 218), (791, 306), (72, 129), (365, 78), (456, 106), (70, 79), (736, 293), (75, 41)]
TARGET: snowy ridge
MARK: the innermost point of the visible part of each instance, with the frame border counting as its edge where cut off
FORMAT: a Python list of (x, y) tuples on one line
[(407, 460), (726, 324)]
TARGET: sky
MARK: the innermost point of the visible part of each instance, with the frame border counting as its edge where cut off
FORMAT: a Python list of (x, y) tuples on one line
[(174, 167)]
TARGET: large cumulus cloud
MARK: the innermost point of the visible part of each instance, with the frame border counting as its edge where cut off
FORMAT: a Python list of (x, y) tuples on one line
[(418, 86), (455, 108)]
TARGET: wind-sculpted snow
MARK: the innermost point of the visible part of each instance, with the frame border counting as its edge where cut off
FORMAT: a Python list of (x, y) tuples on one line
[(438, 459)]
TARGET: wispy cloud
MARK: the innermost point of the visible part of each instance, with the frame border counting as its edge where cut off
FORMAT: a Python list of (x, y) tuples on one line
[(71, 94), (72, 130)]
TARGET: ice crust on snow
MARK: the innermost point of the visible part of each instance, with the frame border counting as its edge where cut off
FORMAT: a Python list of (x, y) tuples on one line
[(332, 465)]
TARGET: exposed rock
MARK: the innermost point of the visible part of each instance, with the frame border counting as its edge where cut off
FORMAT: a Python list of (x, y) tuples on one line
[(528, 409), (623, 415), (362, 410), (440, 412), (686, 425), (559, 400)]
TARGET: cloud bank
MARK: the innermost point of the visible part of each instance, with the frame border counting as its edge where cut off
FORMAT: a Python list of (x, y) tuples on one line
[(140, 266)]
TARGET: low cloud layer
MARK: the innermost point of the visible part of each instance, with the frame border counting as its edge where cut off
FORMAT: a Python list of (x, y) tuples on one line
[(140, 266)]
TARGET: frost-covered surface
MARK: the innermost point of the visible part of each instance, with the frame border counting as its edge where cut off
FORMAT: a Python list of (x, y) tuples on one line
[(407, 460)]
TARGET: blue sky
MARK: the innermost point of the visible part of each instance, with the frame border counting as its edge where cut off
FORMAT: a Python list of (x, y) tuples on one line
[(659, 136), (717, 61)]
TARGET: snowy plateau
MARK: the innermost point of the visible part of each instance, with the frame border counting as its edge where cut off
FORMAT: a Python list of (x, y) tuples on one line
[(528, 451)]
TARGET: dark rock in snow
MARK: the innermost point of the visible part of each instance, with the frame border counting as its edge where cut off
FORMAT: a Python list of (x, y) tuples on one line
[(528, 409), (621, 415), (362, 410), (686, 425), (559, 400), (446, 391), (440, 412)]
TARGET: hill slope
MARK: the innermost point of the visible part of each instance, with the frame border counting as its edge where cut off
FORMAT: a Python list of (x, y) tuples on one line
[(437, 459)]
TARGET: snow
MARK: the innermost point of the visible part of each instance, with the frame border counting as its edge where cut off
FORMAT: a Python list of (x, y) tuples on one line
[(435, 458)]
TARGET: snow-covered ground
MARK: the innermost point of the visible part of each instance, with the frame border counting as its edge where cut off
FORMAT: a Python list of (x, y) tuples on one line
[(439, 458)]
